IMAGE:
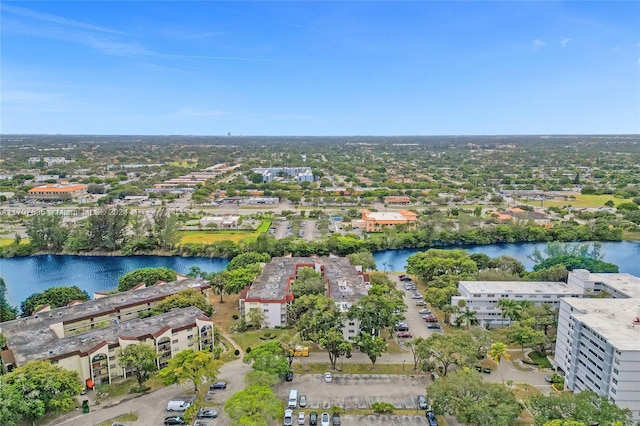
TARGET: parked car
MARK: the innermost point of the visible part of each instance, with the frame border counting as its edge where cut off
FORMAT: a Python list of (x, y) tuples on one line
[(430, 318), (422, 402), (486, 370), (202, 423), (301, 418), (174, 421), (335, 419), (218, 385), (404, 334), (313, 418), (434, 325), (424, 311), (421, 303), (324, 419), (548, 379), (405, 278), (416, 296), (402, 327), (289, 376), (288, 418), (207, 413), (431, 418), (302, 402), (327, 378), (434, 376)]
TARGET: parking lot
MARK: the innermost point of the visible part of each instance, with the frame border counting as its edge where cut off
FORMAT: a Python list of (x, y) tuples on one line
[(356, 391), (417, 325)]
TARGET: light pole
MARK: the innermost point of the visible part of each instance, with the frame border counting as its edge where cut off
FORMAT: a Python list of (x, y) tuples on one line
[(403, 365)]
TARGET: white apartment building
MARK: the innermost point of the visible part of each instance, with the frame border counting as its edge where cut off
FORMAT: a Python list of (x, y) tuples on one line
[(300, 174), (598, 348), (483, 296)]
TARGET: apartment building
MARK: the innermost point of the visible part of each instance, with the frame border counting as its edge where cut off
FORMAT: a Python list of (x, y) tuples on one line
[(377, 221), (299, 174), (483, 296), (598, 348), (87, 337), (271, 290)]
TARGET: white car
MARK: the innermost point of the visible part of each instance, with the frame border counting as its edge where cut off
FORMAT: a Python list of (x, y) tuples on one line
[(301, 419), (288, 418), (327, 378), (324, 419)]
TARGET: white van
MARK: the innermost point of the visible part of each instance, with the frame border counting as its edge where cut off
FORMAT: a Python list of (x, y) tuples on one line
[(293, 399), (177, 405)]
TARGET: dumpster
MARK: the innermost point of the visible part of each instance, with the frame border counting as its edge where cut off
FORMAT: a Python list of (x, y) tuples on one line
[(85, 406)]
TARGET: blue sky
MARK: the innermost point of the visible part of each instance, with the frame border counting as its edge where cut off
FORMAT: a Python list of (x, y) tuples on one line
[(320, 68)]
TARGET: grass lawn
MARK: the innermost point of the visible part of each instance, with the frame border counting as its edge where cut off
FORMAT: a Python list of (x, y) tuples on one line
[(581, 201), (252, 338), (8, 241), (129, 417), (210, 237), (264, 227), (540, 359)]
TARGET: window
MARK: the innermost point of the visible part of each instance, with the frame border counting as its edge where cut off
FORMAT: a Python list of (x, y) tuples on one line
[(112, 358)]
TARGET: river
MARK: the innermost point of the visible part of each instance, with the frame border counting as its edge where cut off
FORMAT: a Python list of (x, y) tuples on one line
[(27, 275)]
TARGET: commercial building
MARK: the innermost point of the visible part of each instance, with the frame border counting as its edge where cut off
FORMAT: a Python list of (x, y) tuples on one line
[(299, 174), (57, 192), (226, 221), (87, 337), (397, 200), (271, 290), (49, 161), (377, 221)]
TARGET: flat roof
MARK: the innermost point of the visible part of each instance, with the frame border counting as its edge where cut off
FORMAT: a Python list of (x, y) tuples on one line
[(613, 319), (518, 287), (381, 216), (34, 344), (344, 282), (624, 283)]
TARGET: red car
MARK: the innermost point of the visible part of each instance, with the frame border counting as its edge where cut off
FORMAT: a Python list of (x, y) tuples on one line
[(404, 334), (430, 318)]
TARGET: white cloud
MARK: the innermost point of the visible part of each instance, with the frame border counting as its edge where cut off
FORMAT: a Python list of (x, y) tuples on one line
[(565, 41), (537, 44)]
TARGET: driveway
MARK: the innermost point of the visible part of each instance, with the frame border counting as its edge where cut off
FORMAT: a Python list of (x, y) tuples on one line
[(417, 326)]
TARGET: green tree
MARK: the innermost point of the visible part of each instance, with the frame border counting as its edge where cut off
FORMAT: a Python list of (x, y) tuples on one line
[(473, 401), (558, 422), (254, 405), (586, 407), (246, 259), (149, 276), (498, 351), (238, 278), (261, 378), (526, 336), (268, 357), (37, 389), (46, 232), (288, 343), (190, 365), (313, 315), (140, 360), (375, 313), (371, 346), (364, 259), (166, 227), (308, 281), (56, 297), (467, 316), (7, 312), (333, 342), (434, 262), (107, 228), (185, 299), (510, 309), (448, 349), (255, 318)]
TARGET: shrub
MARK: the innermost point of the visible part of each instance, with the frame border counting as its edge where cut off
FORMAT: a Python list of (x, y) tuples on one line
[(382, 408), (248, 350), (236, 352), (235, 316)]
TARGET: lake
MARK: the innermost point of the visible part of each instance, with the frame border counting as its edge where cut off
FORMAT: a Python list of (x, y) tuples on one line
[(27, 275)]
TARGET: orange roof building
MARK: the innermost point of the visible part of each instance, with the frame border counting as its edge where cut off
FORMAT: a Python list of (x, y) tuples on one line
[(57, 192), (377, 221)]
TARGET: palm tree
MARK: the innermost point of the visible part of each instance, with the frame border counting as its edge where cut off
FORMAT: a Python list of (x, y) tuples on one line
[(448, 310), (497, 352), (467, 316), (510, 309)]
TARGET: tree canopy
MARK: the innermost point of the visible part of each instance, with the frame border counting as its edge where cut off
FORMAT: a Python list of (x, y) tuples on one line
[(56, 297), (36, 389), (185, 299), (253, 406), (149, 276), (268, 357), (7, 312), (190, 365), (586, 407), (140, 359)]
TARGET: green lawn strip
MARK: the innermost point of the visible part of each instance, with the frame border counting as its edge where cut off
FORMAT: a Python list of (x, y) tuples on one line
[(300, 366), (252, 338), (539, 359), (264, 226)]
